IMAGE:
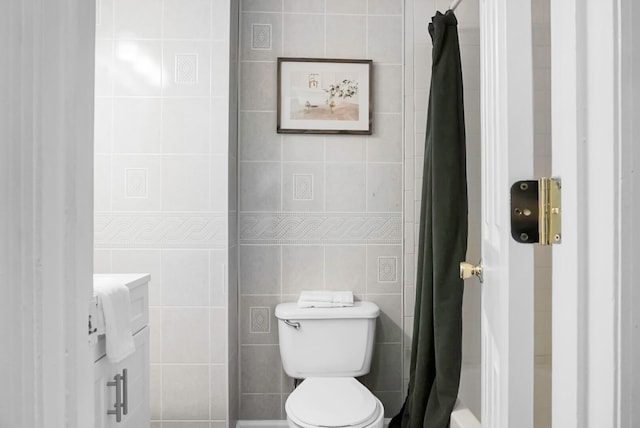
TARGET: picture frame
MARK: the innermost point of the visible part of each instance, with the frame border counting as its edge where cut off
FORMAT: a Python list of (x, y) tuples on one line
[(325, 96)]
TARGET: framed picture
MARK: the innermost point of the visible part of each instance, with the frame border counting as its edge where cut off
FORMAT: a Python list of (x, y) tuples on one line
[(324, 96)]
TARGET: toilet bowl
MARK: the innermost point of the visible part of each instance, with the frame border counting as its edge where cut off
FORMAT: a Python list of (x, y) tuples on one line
[(333, 402)]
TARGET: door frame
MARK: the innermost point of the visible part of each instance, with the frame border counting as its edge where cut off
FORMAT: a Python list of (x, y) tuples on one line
[(593, 59)]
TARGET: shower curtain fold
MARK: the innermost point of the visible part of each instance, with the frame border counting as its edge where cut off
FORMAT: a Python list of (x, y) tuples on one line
[(437, 331)]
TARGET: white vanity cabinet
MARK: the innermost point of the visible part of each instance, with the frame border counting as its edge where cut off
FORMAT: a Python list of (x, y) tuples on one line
[(123, 388)]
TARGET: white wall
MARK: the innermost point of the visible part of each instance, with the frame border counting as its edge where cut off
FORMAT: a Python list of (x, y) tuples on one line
[(46, 128), (165, 190), (347, 232)]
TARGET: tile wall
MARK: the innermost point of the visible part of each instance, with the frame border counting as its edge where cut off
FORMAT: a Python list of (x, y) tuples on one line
[(313, 211), (318, 212), (165, 192)]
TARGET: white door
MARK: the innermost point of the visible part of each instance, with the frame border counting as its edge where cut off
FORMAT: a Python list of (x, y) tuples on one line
[(507, 156)]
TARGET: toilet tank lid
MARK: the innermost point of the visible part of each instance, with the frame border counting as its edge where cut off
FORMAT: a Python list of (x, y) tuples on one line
[(291, 310)]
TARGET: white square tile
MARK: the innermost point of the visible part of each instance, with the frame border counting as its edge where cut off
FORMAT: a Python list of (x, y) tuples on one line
[(385, 144), (347, 7), (261, 369), (185, 183), (219, 396), (185, 335), (136, 123), (346, 36), (186, 68), (384, 188), (303, 186), (345, 187), (387, 89), (346, 149), (104, 71), (185, 392), (304, 35), (246, 336), (258, 139), (121, 164), (301, 6), (101, 261), (137, 68), (102, 182), (187, 19), (384, 274), (258, 86), (141, 19), (385, 39), (185, 123), (345, 268), (103, 125), (384, 7), (303, 148), (155, 389), (260, 319), (387, 269), (136, 184), (261, 5), (220, 188), (260, 269), (302, 268), (260, 406), (220, 72), (260, 186), (220, 343), (185, 277), (219, 272), (261, 36), (223, 127)]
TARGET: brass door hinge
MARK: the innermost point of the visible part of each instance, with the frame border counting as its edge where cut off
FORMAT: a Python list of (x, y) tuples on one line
[(536, 211)]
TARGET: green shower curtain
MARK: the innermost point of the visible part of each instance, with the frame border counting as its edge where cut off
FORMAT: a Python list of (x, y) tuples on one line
[(437, 330)]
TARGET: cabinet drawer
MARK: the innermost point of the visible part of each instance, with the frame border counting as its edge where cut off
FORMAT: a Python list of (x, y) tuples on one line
[(137, 366)]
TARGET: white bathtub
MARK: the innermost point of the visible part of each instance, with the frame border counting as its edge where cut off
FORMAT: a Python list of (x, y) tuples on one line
[(466, 414)]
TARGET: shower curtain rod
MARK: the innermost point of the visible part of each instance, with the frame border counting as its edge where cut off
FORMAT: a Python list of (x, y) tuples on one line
[(454, 4)]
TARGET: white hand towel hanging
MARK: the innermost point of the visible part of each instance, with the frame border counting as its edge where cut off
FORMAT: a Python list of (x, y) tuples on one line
[(113, 301)]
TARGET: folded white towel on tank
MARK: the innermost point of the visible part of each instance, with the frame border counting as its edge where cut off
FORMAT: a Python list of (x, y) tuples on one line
[(325, 299)]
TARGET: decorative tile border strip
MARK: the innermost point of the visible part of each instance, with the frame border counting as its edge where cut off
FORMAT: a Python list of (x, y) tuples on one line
[(160, 230), (320, 228)]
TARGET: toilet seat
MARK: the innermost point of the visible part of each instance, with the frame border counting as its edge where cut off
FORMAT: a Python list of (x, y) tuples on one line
[(333, 402)]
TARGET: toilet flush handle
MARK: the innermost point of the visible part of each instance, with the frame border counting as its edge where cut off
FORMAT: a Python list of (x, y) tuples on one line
[(295, 325)]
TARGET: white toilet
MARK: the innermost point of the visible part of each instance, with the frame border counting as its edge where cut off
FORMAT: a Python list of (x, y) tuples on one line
[(328, 347)]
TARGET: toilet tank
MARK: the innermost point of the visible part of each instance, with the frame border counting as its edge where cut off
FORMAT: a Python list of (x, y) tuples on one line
[(331, 342)]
